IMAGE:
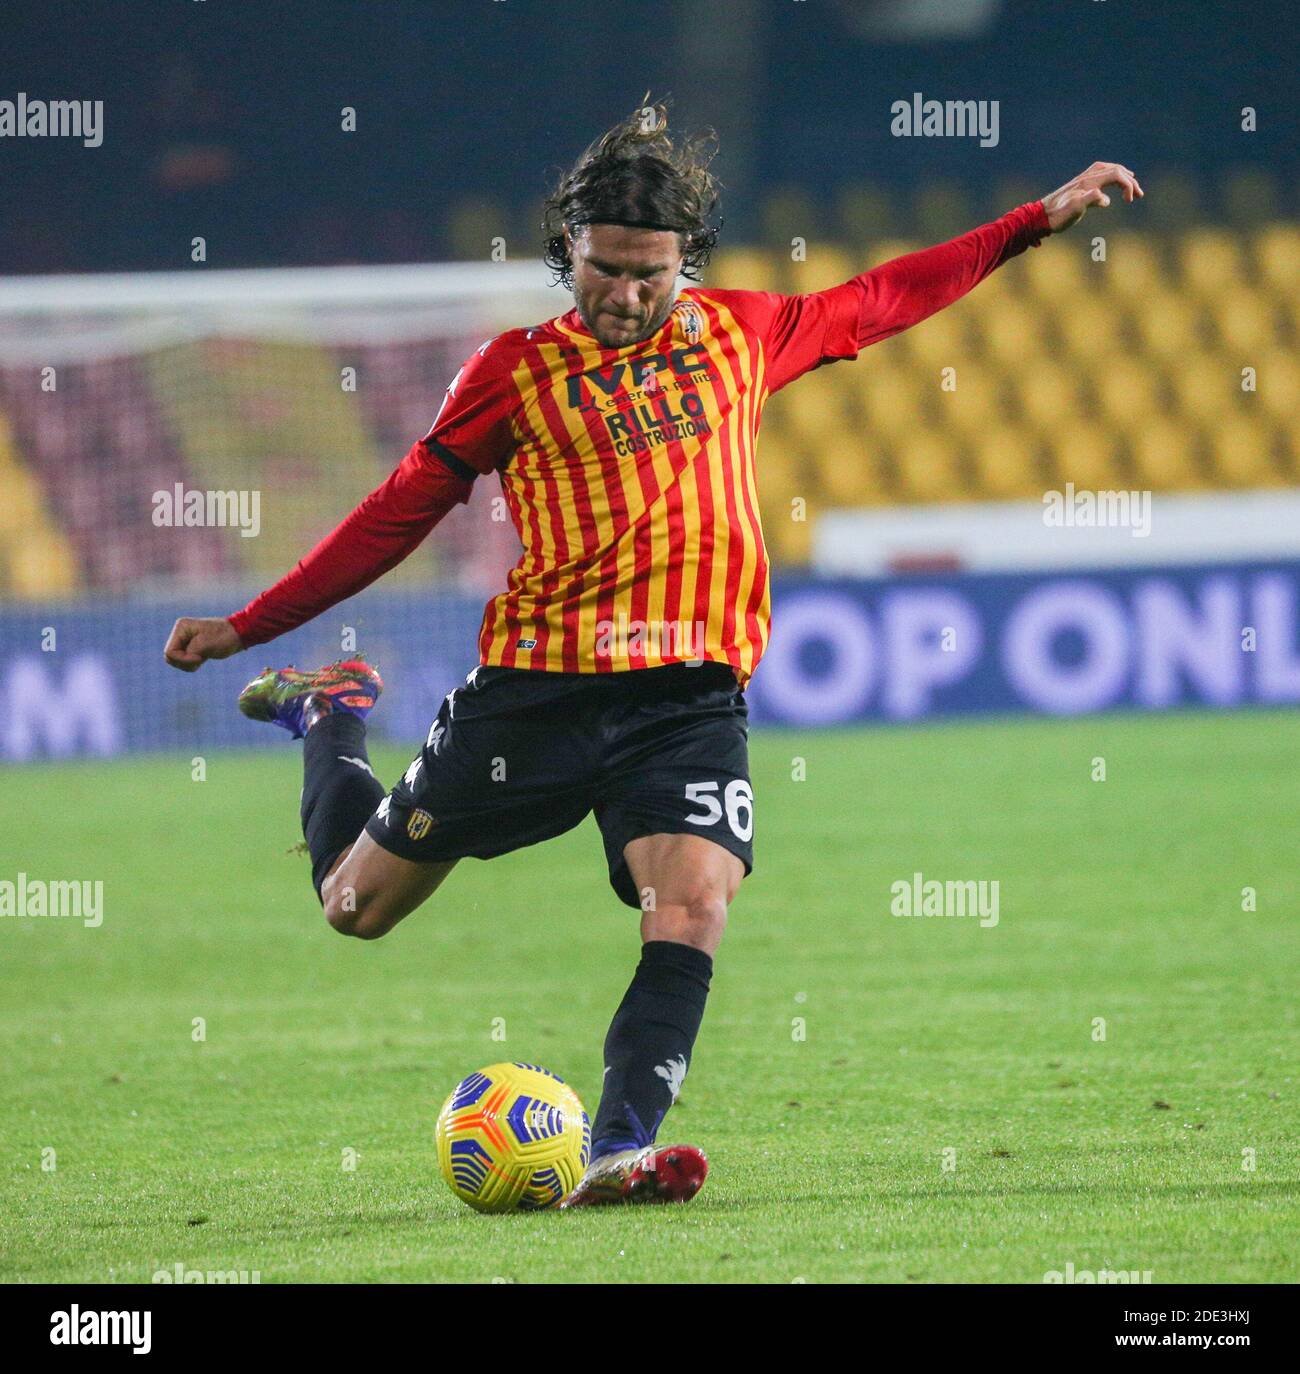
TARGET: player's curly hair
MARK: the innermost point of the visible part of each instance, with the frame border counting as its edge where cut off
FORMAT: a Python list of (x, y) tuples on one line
[(636, 175)]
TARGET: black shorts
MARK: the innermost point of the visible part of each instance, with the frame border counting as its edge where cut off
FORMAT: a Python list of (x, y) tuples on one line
[(518, 756)]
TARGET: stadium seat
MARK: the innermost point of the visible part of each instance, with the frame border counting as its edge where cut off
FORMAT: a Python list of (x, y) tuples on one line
[(1011, 333), (1048, 394), (1006, 465), (44, 568), (1278, 377), (826, 265), (975, 406), (890, 397), (747, 269), (1203, 384), (1127, 391), (1127, 371), (1090, 327), (1164, 456), (1165, 323), (1210, 260), (1054, 275), (1277, 257), (1132, 268), (1243, 319), (926, 469), (1087, 455), (939, 342), (1243, 450)]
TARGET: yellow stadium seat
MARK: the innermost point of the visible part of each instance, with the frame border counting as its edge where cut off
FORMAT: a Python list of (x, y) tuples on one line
[(1242, 452), (1010, 333), (941, 341), (1210, 262), (927, 470), (1049, 394), (1056, 273), (1006, 465), (1090, 327), (1278, 382), (890, 398), (1277, 256), (886, 250), (746, 269), (42, 566), (814, 408), (850, 475), (1128, 391), (1289, 444), (975, 406), (1244, 320), (1085, 454), (1164, 454), (781, 475), (1132, 268), (1167, 324), (825, 265), (1204, 385), (21, 507), (783, 467)]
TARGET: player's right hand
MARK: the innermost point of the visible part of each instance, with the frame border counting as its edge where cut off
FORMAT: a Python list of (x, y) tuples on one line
[(192, 642)]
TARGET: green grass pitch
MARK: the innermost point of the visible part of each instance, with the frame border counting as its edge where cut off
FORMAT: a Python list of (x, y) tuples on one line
[(1119, 899)]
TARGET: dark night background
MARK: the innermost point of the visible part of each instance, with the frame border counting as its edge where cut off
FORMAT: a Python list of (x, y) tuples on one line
[(223, 118)]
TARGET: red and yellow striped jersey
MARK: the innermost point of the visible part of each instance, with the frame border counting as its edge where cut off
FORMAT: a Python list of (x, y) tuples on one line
[(629, 474)]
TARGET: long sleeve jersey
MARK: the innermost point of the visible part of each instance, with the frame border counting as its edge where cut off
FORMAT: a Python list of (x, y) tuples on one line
[(629, 472)]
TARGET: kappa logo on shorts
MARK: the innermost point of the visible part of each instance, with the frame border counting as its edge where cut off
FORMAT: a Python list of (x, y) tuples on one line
[(419, 825)]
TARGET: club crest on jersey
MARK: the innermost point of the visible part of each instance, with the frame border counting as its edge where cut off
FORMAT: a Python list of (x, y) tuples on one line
[(419, 824), (692, 321)]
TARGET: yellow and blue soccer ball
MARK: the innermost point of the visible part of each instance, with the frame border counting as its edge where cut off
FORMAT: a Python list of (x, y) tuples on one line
[(512, 1137)]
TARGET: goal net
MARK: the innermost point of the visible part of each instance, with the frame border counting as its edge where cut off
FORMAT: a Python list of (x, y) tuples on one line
[(172, 443)]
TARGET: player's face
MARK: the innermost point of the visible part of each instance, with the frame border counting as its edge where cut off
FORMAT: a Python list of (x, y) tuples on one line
[(624, 280)]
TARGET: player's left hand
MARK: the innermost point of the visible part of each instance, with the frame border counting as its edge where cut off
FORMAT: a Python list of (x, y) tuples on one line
[(1066, 206)]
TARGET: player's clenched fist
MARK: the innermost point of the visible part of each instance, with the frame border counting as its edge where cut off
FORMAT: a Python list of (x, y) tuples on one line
[(1066, 206), (192, 642)]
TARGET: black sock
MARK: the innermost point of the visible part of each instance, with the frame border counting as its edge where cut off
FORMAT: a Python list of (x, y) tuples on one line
[(339, 795), (648, 1048)]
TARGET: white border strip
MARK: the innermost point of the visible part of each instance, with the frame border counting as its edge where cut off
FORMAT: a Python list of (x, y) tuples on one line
[(412, 284), (1012, 536)]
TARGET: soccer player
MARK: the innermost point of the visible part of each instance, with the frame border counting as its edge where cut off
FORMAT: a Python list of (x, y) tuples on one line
[(612, 667)]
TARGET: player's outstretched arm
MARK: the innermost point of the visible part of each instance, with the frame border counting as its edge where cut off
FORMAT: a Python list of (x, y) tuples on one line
[(1067, 205), (387, 526), (901, 293), (195, 640)]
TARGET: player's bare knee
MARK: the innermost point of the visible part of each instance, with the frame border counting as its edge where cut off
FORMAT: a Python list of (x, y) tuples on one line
[(350, 914), (699, 919)]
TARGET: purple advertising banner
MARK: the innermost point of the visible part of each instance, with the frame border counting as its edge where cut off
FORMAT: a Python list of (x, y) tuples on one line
[(1147, 639), (89, 679)]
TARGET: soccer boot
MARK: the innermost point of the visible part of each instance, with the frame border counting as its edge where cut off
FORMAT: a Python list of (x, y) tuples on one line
[(284, 695), (656, 1173)]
